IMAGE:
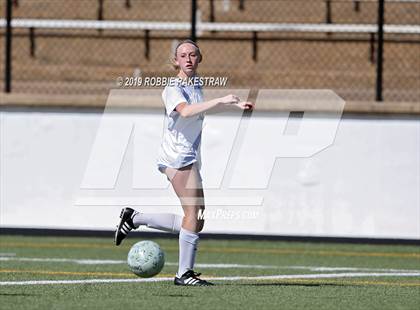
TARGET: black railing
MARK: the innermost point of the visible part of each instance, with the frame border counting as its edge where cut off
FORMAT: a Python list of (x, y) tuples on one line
[(8, 49), (379, 58)]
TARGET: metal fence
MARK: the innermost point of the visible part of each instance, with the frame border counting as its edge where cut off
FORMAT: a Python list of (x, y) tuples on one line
[(344, 45)]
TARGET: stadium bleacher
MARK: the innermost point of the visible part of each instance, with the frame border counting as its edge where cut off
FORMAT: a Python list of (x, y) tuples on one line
[(139, 38)]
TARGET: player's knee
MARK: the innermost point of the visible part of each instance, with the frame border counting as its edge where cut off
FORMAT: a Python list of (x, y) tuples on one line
[(195, 216), (194, 211)]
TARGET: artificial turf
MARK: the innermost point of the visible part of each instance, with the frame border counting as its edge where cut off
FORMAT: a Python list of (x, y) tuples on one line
[(38, 258)]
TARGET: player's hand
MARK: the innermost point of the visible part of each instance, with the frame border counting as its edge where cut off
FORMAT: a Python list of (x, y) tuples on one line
[(245, 105), (230, 99)]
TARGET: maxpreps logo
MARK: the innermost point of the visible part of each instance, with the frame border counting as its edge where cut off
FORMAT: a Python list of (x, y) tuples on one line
[(238, 152)]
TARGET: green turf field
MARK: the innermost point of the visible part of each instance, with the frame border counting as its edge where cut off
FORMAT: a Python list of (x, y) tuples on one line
[(91, 273)]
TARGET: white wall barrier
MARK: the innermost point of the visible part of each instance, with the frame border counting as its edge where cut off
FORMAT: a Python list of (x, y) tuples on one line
[(364, 184)]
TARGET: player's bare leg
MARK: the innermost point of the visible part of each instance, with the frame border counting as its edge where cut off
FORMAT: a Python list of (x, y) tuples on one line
[(187, 185)]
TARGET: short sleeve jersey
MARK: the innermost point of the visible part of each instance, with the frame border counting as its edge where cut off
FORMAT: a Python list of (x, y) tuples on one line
[(181, 140)]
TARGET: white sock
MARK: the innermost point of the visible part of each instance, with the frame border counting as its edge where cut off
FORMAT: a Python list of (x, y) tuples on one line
[(162, 221), (188, 242)]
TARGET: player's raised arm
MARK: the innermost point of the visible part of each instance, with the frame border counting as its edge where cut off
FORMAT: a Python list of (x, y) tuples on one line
[(187, 110)]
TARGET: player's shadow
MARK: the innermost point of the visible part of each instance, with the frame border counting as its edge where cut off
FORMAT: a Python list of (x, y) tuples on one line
[(18, 294), (173, 295)]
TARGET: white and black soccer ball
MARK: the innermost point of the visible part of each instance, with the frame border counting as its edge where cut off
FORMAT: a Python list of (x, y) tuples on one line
[(146, 259)]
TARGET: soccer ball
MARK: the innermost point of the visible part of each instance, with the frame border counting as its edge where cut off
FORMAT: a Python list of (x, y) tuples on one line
[(146, 259)]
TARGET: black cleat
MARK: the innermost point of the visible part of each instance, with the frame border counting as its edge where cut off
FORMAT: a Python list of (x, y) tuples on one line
[(191, 278), (125, 226)]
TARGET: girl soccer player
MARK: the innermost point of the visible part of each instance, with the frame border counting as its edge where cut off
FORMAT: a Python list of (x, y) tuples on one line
[(179, 159)]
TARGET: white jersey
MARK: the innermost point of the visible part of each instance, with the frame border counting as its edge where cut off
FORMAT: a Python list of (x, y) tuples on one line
[(182, 135)]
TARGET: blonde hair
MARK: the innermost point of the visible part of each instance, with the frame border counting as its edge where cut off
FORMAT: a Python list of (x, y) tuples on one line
[(173, 58)]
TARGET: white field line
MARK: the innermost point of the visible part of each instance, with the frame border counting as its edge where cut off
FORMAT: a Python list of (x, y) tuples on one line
[(239, 278), (214, 266)]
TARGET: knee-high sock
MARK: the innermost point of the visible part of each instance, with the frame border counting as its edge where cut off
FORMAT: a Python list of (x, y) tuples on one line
[(188, 242), (162, 221)]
